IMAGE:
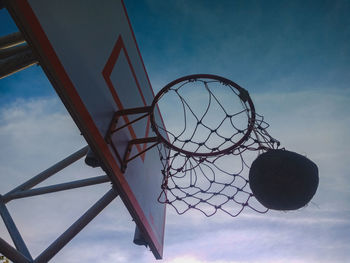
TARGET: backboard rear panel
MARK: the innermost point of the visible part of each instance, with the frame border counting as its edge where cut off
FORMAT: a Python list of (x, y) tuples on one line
[(89, 52)]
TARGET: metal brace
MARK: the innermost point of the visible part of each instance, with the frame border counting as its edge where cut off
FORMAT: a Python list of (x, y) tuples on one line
[(146, 111)]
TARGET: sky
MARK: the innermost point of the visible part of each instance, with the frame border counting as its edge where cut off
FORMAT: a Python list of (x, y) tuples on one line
[(292, 56)]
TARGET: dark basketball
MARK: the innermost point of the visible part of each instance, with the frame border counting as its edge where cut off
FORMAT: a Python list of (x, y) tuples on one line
[(283, 180)]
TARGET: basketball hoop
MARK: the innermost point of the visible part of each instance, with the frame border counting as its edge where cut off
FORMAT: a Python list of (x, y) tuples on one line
[(212, 136)]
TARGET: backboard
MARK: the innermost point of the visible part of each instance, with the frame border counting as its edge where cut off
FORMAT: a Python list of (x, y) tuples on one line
[(89, 52)]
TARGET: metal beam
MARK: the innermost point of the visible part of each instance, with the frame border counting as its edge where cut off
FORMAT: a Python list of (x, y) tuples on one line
[(11, 40), (9, 52), (11, 253), (17, 63), (13, 231), (50, 171), (75, 228), (57, 188)]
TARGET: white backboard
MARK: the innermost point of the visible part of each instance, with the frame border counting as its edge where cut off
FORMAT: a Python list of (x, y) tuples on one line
[(88, 51)]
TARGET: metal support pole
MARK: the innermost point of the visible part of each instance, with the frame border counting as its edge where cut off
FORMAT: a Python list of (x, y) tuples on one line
[(17, 63), (50, 171), (9, 52), (57, 188), (11, 253), (11, 40), (74, 229), (13, 231)]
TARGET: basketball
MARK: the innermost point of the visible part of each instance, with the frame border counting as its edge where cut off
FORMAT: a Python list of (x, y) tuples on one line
[(283, 180)]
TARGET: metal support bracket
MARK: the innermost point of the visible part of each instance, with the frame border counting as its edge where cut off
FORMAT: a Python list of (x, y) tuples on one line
[(113, 124), (131, 143), (21, 253), (145, 111)]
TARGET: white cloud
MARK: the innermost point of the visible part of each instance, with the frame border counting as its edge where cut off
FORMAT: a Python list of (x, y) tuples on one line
[(34, 135), (192, 259), (317, 233)]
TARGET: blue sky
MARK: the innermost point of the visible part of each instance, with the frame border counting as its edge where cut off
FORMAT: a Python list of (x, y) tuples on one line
[(292, 56), (12, 87)]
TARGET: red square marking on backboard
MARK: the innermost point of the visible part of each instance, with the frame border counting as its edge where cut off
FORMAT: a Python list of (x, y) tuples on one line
[(107, 71)]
